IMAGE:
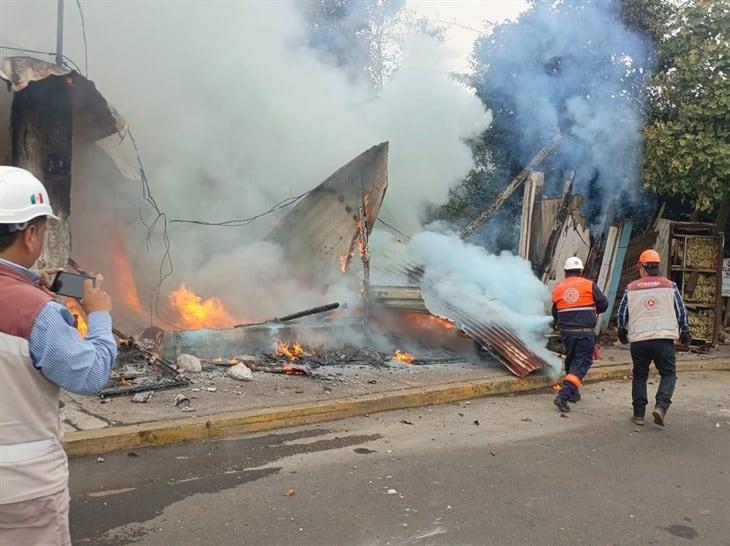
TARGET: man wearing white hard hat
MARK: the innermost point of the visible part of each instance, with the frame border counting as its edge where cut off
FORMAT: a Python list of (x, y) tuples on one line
[(577, 301), (40, 353)]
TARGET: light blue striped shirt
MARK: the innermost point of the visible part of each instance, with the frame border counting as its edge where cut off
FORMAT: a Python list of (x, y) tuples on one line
[(78, 365)]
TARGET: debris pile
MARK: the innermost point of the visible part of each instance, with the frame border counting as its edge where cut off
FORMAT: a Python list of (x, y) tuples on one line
[(140, 370)]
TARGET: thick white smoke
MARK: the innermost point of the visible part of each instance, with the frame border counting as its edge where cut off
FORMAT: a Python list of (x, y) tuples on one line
[(500, 288), (233, 111)]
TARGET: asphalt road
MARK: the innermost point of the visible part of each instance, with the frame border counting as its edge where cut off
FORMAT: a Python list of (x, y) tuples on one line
[(493, 471)]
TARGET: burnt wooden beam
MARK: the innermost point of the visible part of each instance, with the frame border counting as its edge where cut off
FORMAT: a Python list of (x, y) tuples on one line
[(41, 142), (560, 218), (517, 181)]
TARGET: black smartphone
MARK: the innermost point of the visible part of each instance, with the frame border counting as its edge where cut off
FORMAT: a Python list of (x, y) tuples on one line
[(69, 284)]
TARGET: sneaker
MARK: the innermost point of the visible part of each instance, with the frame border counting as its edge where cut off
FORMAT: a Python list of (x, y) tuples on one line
[(562, 405), (638, 420), (658, 415), (574, 398)]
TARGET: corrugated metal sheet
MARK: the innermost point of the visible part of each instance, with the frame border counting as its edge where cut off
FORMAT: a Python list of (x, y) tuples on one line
[(498, 339), (319, 231)]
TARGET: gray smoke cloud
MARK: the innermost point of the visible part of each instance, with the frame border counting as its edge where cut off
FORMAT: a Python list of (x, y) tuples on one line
[(233, 111), (490, 287), (570, 67)]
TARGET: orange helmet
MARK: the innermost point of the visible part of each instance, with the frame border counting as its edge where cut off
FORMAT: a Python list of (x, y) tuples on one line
[(649, 257)]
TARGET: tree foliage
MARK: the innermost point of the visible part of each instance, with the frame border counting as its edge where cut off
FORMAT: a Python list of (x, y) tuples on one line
[(570, 68), (365, 37), (687, 150)]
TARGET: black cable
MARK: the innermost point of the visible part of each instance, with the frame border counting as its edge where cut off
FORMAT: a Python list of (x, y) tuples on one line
[(289, 201), (83, 31), (166, 264), (24, 50), (161, 220), (395, 229)]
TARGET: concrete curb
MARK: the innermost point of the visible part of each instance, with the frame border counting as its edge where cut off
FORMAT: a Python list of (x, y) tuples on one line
[(173, 431)]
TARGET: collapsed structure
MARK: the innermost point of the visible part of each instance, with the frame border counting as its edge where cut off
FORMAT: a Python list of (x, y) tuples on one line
[(326, 234)]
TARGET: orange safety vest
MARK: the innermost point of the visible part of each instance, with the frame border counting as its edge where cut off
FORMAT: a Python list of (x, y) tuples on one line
[(574, 294)]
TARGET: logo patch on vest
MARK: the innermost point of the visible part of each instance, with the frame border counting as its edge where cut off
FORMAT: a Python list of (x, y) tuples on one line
[(650, 303), (571, 295)]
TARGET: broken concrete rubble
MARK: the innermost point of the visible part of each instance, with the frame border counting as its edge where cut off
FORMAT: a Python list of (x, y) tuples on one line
[(240, 372), (189, 363)]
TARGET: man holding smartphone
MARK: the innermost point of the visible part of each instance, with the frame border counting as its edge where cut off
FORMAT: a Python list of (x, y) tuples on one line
[(40, 353)]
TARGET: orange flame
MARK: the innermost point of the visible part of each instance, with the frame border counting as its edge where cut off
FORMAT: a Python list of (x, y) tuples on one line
[(290, 351), (431, 323), (442, 322), (78, 314), (123, 278), (288, 369), (195, 312), (408, 358)]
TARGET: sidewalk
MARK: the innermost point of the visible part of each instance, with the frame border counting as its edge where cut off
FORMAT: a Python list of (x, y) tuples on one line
[(224, 406)]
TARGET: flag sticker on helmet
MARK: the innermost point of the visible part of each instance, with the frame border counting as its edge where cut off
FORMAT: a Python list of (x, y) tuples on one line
[(36, 199)]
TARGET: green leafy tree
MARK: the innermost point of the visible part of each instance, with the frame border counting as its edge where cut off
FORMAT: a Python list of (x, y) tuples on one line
[(687, 152)]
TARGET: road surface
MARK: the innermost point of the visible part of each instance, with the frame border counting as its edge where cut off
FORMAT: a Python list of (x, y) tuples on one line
[(493, 471)]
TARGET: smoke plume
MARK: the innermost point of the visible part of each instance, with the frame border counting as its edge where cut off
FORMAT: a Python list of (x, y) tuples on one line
[(234, 111), (500, 288), (569, 67)]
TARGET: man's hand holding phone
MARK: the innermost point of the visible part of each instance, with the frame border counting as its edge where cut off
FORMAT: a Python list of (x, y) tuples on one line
[(95, 298)]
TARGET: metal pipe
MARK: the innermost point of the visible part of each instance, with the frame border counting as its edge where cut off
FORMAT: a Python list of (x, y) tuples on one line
[(59, 34)]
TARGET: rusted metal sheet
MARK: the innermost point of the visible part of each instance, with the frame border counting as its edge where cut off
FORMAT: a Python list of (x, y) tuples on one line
[(498, 339), (321, 230)]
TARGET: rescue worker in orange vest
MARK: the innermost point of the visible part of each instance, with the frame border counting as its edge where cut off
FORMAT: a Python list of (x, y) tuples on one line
[(651, 317), (576, 304)]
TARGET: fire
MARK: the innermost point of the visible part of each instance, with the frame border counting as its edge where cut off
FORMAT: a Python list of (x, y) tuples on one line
[(79, 315), (290, 351), (357, 242), (442, 322), (123, 278), (408, 358), (288, 369), (195, 312)]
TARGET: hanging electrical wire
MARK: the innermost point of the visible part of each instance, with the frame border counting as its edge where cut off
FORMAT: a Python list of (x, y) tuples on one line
[(167, 267), (284, 203), (69, 63), (394, 229), (83, 32)]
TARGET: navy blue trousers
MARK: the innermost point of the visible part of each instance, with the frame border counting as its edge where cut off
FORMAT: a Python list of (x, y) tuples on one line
[(578, 358), (661, 352)]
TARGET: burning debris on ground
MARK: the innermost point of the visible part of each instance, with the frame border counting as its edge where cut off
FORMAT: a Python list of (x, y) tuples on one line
[(139, 370)]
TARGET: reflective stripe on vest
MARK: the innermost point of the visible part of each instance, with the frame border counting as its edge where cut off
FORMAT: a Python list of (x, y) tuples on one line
[(14, 453), (591, 308), (574, 294)]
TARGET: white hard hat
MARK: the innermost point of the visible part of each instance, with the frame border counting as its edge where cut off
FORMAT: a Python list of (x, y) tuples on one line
[(573, 263), (22, 198)]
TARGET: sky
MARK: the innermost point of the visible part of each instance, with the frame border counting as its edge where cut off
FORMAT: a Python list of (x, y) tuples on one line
[(455, 14), (464, 18)]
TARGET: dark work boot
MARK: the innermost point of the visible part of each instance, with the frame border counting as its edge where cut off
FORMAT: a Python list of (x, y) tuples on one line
[(659, 415), (574, 397), (562, 405)]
